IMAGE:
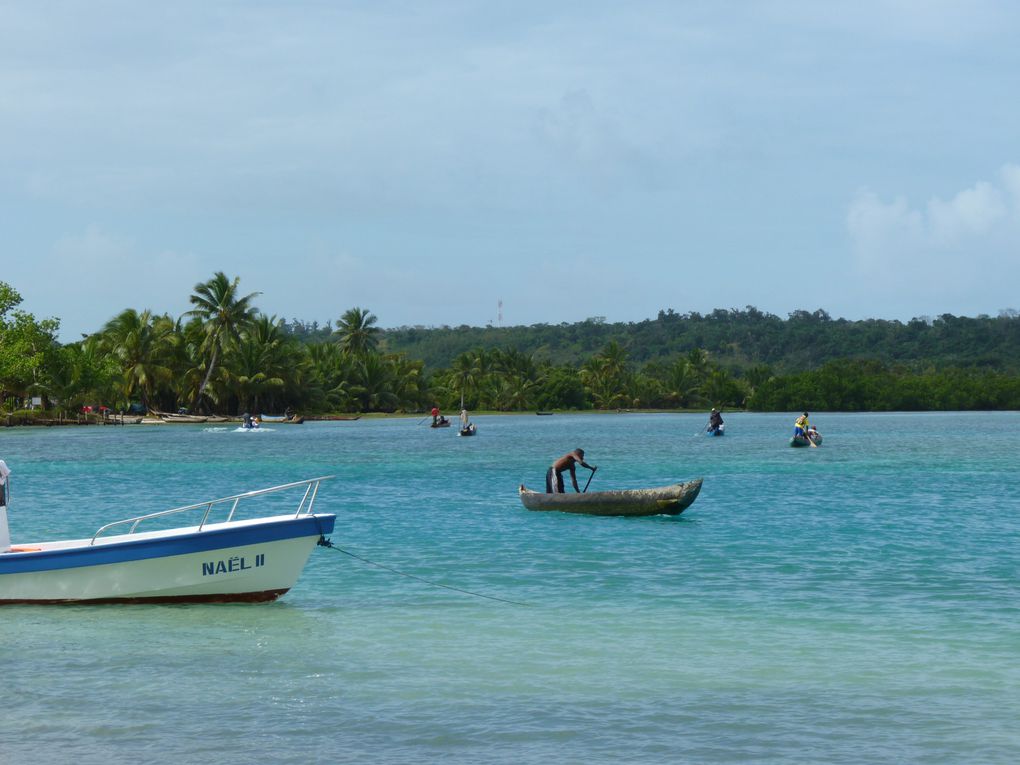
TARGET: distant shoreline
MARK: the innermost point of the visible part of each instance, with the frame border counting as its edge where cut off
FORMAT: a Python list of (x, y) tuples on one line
[(22, 420)]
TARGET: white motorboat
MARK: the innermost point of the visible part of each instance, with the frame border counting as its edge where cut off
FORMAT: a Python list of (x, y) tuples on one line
[(227, 560)]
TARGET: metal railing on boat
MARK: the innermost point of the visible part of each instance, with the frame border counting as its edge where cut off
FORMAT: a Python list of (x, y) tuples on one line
[(311, 492)]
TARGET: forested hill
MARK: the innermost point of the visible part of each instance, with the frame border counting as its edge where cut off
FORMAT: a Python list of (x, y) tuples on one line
[(738, 339)]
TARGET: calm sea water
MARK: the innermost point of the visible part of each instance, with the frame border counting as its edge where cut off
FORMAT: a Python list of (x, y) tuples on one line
[(856, 603)]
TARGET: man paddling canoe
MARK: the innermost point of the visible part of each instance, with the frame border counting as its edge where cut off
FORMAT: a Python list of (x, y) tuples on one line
[(554, 476)]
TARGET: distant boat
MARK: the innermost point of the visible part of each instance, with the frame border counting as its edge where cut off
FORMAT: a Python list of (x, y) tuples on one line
[(665, 500), (124, 419), (288, 419), (215, 561), (720, 431), (544, 414), (184, 418), (470, 430), (443, 423)]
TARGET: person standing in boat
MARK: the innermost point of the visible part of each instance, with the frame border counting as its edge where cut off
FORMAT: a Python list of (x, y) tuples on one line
[(800, 427), (554, 476), (435, 415), (715, 421)]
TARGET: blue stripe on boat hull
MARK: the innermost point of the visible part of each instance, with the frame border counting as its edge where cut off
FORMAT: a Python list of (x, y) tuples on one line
[(145, 549)]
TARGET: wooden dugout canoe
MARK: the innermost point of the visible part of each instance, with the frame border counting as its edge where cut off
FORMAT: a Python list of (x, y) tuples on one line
[(802, 440), (664, 500)]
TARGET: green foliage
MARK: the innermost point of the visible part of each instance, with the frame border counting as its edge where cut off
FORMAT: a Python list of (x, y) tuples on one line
[(873, 386), (27, 348), (737, 339), (225, 356)]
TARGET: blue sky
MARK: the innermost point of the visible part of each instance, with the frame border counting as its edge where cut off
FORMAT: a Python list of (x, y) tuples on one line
[(425, 160)]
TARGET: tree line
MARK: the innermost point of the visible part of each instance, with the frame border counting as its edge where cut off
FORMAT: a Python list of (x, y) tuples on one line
[(224, 356)]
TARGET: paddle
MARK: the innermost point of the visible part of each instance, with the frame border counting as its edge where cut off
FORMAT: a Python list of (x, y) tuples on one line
[(589, 480)]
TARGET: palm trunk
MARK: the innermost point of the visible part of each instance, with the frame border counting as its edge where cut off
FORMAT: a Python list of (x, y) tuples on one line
[(208, 375)]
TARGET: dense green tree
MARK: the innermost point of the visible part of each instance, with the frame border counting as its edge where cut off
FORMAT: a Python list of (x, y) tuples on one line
[(27, 347)]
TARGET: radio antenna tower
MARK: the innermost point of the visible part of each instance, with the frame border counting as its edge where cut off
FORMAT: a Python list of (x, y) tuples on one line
[(499, 312)]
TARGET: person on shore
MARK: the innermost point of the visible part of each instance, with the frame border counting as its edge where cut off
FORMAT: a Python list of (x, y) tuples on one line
[(554, 476), (715, 421), (800, 427), (5, 534)]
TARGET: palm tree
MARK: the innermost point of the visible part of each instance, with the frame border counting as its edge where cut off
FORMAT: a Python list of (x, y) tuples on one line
[(717, 387), (467, 372), (681, 382), (141, 345), (264, 365), (356, 331), (374, 385), (603, 382), (224, 315), (251, 373), (409, 381)]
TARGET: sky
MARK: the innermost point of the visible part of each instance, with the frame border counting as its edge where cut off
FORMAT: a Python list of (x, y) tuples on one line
[(426, 161)]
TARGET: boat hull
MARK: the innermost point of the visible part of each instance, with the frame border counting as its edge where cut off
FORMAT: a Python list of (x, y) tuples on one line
[(799, 441), (241, 561), (665, 500)]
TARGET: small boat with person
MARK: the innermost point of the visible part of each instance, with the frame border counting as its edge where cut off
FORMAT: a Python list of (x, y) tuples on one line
[(663, 500), (804, 433), (716, 426), (221, 557)]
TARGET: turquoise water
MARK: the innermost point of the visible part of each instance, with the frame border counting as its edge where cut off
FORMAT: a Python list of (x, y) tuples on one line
[(856, 603)]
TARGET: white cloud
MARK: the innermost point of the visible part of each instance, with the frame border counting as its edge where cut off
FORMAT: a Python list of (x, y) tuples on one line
[(946, 248), (971, 213)]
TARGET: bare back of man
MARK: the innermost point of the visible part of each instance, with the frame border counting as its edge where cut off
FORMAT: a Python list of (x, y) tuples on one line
[(568, 462)]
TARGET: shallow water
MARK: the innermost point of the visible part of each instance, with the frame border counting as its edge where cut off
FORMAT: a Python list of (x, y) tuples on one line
[(853, 603)]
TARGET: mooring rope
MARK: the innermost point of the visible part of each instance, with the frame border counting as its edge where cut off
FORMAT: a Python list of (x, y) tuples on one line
[(324, 542)]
